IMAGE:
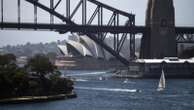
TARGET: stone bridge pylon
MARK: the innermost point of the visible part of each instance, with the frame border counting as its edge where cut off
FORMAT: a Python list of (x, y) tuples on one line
[(160, 40)]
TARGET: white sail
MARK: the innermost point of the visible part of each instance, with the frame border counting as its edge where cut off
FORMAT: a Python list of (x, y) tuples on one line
[(162, 82)]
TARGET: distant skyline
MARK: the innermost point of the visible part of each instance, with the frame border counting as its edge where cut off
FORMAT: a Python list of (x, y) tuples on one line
[(183, 17)]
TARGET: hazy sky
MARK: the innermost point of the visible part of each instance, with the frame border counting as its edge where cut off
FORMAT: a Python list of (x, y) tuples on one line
[(183, 14)]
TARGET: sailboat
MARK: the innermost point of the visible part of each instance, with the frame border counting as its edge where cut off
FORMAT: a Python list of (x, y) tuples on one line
[(162, 82)]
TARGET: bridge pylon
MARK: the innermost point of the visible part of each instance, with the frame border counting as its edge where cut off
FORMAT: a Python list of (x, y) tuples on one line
[(160, 41)]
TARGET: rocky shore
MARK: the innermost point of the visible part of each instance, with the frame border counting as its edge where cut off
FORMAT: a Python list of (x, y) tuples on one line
[(25, 99)]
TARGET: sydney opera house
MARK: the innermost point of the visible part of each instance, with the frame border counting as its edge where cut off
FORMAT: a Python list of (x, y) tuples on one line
[(80, 52)]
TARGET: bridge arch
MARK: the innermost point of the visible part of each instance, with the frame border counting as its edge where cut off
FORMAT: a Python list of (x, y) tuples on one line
[(98, 33)]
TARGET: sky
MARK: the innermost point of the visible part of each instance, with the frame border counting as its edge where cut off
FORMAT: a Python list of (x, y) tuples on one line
[(184, 16)]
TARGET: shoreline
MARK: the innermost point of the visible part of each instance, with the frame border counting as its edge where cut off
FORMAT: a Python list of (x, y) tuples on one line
[(28, 99)]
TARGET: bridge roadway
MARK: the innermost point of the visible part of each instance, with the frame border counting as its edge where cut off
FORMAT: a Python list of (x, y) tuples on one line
[(88, 28)]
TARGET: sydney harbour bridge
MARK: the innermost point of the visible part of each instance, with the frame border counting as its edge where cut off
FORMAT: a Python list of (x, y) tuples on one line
[(158, 34)]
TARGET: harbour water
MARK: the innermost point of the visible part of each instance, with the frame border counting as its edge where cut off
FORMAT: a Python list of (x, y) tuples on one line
[(97, 90)]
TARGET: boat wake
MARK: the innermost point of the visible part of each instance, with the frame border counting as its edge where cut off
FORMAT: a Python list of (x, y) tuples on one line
[(81, 80), (108, 89), (84, 74)]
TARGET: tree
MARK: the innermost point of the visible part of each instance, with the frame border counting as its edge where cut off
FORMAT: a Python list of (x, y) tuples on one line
[(20, 82), (41, 65), (8, 75), (60, 85), (16, 81), (7, 59)]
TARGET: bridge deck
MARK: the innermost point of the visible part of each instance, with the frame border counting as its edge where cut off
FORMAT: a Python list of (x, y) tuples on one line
[(75, 28), (88, 28)]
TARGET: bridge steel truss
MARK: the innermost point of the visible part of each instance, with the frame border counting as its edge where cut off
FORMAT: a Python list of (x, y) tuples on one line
[(184, 34), (97, 32)]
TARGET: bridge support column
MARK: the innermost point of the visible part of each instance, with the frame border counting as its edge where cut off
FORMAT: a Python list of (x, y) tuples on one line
[(160, 42), (132, 40)]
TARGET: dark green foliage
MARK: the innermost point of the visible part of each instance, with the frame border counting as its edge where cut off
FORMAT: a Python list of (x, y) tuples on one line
[(13, 80), (7, 59), (41, 65), (60, 85), (35, 88), (39, 77), (20, 82)]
